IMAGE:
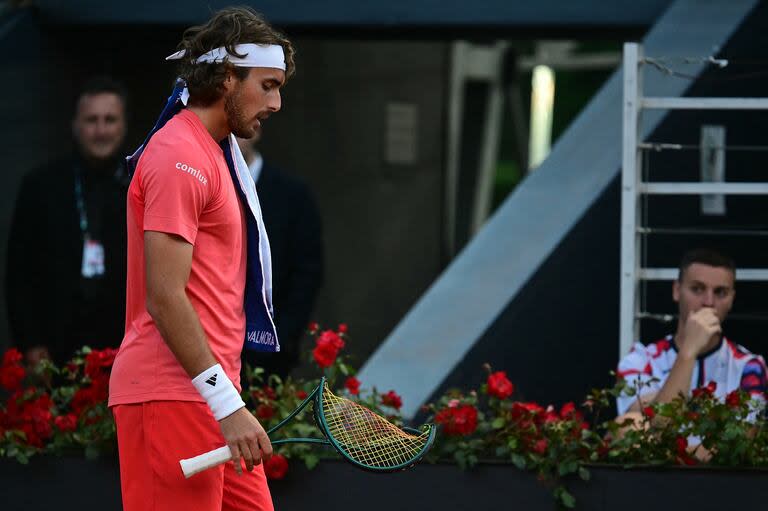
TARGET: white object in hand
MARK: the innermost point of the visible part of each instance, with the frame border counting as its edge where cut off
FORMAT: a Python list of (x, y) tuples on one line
[(210, 459)]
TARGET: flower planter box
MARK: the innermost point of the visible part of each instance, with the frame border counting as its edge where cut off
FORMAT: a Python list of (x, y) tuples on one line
[(500, 486), (71, 483), (48, 483)]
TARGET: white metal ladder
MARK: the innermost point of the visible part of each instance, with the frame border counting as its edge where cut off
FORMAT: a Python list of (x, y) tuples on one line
[(632, 187)]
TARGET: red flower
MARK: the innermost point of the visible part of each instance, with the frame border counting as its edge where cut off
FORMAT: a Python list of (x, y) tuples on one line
[(66, 423), (331, 337), (31, 416), (733, 399), (352, 385), (499, 385), (11, 377), (520, 410), (97, 360), (11, 371), (270, 393), (567, 410), (300, 394), (649, 412), (532, 407), (266, 393), (343, 328), (392, 399), (88, 397), (459, 421), (603, 449), (313, 327), (325, 354), (708, 390), (265, 412), (327, 348), (550, 415), (692, 416), (11, 357), (30, 436), (276, 467), (540, 446)]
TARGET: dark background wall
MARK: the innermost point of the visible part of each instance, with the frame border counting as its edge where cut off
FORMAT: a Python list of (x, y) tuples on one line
[(382, 220), (24, 84), (559, 337)]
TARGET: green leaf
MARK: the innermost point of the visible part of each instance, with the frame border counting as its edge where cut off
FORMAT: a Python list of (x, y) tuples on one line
[(498, 423), (584, 474), (311, 461), (565, 498), (568, 467), (518, 461)]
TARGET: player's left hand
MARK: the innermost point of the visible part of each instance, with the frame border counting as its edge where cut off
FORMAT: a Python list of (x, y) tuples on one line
[(246, 439)]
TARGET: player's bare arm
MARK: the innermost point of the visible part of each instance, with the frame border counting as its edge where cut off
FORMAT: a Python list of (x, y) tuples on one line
[(168, 263)]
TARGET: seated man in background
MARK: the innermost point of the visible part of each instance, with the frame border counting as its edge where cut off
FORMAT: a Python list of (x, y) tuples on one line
[(698, 352), (294, 228), (65, 284)]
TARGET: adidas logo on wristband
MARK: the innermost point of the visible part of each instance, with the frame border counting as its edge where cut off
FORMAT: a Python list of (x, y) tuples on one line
[(217, 389)]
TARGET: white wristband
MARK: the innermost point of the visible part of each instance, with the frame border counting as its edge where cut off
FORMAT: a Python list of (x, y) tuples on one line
[(217, 389)]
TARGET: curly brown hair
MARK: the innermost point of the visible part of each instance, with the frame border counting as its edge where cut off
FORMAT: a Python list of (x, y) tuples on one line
[(228, 28)]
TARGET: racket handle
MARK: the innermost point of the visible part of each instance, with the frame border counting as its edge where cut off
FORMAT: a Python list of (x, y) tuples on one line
[(210, 459)]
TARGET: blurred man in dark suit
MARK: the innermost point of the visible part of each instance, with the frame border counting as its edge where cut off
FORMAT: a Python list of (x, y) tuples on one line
[(294, 228), (66, 254)]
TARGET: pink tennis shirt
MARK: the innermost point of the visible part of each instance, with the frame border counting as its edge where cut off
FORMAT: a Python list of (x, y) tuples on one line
[(182, 186)]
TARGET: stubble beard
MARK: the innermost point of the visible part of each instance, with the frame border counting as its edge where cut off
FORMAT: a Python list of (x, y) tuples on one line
[(238, 124)]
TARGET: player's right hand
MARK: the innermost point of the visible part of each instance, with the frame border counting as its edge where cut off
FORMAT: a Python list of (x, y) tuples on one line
[(246, 439), (699, 329)]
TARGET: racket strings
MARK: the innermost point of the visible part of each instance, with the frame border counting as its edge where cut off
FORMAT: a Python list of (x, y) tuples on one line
[(368, 438)]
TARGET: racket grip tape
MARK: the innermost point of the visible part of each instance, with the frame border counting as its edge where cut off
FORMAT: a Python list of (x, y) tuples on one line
[(210, 459)]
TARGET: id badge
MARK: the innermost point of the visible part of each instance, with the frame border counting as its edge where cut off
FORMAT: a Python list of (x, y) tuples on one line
[(93, 259)]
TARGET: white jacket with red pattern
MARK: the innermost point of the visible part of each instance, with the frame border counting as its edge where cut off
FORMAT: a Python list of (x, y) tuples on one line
[(729, 365)]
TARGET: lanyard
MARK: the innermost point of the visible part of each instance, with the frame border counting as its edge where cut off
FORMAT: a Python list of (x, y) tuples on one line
[(80, 202)]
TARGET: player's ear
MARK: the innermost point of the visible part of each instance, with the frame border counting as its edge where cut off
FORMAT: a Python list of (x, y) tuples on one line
[(229, 81)]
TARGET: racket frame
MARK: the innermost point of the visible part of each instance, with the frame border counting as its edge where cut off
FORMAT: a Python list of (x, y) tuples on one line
[(204, 461)]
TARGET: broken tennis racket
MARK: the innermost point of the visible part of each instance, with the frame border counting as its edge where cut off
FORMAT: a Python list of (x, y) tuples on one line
[(359, 435)]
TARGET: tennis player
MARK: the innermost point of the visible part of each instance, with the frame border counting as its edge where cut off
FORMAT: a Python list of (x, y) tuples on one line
[(175, 389)]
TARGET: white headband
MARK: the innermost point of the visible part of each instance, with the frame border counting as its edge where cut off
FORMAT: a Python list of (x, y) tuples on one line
[(256, 55)]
